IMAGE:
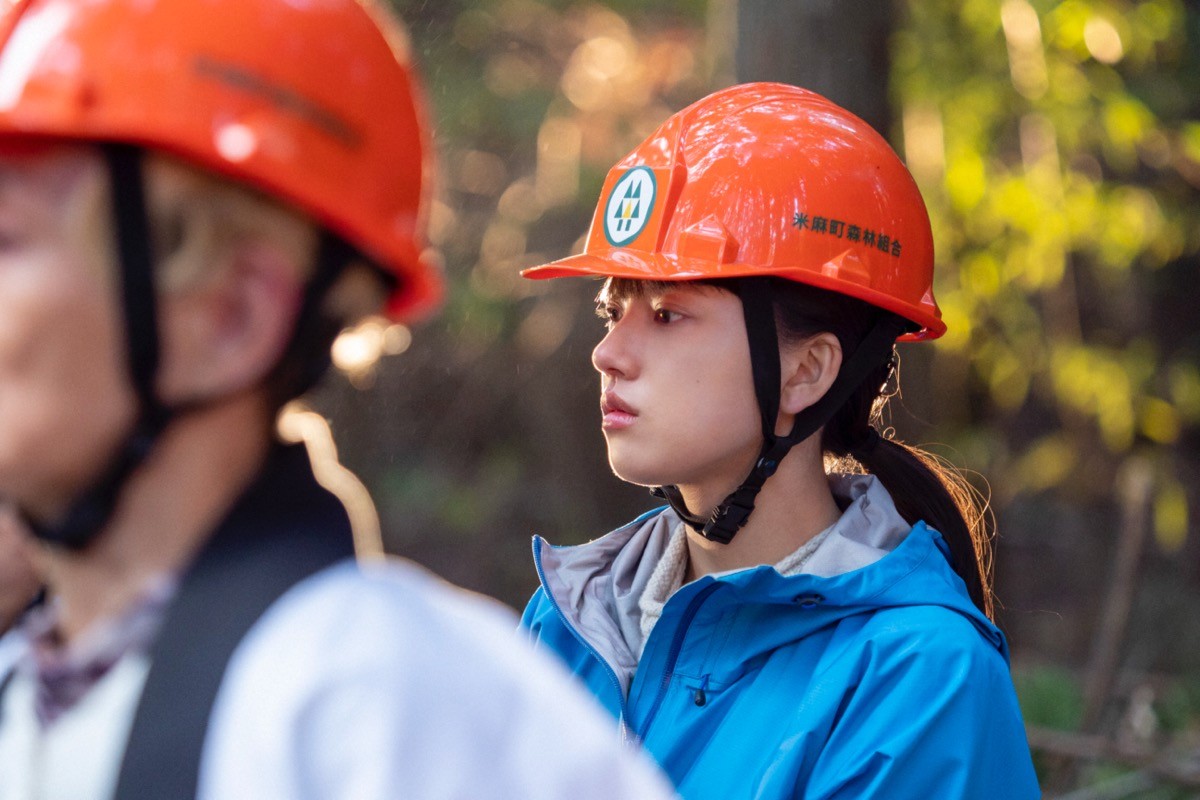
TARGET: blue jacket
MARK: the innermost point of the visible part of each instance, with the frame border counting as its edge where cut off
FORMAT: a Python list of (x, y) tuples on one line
[(884, 681)]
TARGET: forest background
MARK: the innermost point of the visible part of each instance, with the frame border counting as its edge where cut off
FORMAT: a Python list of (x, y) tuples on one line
[(1057, 145)]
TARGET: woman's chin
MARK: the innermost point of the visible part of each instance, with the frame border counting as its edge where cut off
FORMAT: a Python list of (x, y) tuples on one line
[(639, 474)]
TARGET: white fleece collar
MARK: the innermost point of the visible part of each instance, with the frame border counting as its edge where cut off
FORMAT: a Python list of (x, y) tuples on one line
[(869, 528)]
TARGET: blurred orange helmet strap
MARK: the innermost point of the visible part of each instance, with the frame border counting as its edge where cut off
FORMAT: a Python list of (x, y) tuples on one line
[(766, 179), (314, 103)]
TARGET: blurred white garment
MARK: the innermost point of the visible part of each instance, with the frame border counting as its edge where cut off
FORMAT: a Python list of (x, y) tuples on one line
[(359, 682), (11, 646)]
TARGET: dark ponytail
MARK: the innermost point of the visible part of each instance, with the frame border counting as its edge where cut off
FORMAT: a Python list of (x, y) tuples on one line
[(922, 486)]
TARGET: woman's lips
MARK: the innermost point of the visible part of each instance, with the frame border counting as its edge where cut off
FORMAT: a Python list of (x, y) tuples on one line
[(617, 414)]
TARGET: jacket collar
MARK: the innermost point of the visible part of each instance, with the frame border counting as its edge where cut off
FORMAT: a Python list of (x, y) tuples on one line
[(871, 559)]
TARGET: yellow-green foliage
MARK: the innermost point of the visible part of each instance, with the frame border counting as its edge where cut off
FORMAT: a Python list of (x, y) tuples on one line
[(1054, 144)]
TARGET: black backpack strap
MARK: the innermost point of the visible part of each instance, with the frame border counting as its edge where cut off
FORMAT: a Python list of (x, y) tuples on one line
[(283, 530)]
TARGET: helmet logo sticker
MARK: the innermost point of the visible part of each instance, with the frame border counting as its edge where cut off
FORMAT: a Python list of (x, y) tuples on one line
[(850, 232), (629, 205)]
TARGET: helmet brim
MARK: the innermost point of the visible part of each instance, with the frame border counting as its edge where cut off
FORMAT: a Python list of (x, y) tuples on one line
[(638, 265)]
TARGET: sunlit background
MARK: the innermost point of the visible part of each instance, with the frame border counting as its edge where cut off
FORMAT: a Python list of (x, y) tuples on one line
[(1058, 148)]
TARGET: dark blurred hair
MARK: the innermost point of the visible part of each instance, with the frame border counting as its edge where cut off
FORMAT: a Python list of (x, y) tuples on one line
[(307, 356)]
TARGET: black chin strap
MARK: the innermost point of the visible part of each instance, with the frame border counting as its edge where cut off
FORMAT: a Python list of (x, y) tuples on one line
[(312, 328), (91, 510), (732, 513), (93, 507)]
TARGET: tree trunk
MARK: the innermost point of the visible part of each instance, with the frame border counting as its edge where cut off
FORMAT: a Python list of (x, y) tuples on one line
[(838, 48)]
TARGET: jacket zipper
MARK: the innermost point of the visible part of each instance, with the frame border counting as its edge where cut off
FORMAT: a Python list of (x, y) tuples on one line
[(612, 673), (685, 622)]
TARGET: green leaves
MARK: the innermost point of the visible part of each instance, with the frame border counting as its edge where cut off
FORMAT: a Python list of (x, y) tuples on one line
[(1066, 174)]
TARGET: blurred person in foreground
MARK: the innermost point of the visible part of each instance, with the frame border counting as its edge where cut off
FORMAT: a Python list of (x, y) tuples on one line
[(195, 196), (810, 615)]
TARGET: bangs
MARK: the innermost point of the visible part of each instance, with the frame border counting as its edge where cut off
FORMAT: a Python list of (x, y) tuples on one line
[(620, 289)]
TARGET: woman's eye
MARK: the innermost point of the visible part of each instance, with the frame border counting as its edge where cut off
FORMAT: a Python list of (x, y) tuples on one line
[(609, 313)]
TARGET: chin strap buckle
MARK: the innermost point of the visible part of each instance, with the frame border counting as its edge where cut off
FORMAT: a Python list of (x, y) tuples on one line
[(723, 523), (727, 520), (732, 514)]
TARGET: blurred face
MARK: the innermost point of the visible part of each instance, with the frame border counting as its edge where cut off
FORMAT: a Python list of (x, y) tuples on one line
[(64, 403), (677, 392)]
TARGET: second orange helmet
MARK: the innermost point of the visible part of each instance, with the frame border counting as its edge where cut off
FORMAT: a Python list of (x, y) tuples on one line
[(767, 179)]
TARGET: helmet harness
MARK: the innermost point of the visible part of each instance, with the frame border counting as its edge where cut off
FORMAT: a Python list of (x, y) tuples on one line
[(723, 523)]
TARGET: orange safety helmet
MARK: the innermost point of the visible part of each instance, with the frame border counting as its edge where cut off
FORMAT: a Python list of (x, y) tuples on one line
[(313, 102), (767, 179)]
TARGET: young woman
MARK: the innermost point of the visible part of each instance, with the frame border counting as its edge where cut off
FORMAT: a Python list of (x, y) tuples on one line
[(810, 614)]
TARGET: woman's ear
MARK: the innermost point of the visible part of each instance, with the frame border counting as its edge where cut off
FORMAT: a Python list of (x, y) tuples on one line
[(225, 334), (808, 369)]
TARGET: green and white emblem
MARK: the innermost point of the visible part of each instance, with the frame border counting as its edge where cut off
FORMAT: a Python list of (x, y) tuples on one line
[(629, 206)]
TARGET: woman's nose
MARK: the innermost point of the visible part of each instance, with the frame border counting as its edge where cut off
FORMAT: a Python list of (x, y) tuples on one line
[(612, 355)]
